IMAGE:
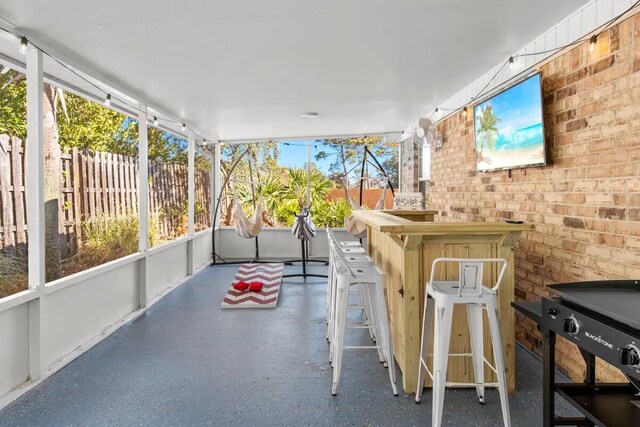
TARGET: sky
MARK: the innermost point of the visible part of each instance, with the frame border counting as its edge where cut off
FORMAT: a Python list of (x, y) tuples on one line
[(518, 107), (295, 154)]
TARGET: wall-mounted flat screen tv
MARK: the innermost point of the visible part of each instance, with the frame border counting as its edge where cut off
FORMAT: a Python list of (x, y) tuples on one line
[(508, 128)]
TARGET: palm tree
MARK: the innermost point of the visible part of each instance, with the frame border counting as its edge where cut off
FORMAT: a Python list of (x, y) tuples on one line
[(296, 187), (487, 130)]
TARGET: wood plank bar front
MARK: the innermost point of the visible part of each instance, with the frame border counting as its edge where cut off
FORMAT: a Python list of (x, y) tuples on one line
[(404, 245)]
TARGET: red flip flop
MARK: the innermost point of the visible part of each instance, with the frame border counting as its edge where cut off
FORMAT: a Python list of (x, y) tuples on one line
[(255, 286), (241, 286)]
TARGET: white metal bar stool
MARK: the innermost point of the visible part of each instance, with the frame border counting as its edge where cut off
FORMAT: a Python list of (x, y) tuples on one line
[(358, 260), (372, 281), (441, 296)]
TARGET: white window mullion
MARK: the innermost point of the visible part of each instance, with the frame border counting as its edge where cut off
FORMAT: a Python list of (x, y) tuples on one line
[(143, 202), (35, 208)]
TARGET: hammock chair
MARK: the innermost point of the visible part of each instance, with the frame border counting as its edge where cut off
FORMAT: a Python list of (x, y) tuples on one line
[(247, 228), (358, 228)]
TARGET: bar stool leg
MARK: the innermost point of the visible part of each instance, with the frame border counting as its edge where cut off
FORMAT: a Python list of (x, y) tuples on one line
[(427, 324), (375, 330), (443, 319), (331, 327), (496, 340), (330, 300), (382, 318), (342, 303), (474, 316), (368, 310)]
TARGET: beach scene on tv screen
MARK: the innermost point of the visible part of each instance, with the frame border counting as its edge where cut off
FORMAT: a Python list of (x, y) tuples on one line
[(508, 128)]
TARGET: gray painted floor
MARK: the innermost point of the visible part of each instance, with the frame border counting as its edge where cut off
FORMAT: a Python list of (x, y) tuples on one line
[(187, 362)]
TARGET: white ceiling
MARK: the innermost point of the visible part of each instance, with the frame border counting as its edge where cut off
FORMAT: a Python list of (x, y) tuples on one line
[(248, 69)]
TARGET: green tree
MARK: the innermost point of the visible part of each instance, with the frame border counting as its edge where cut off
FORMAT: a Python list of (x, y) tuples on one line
[(91, 126), (487, 129), (346, 153), (13, 104), (296, 186)]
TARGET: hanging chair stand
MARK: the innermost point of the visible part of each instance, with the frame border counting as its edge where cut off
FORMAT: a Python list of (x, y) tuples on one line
[(215, 257), (304, 250), (364, 162)]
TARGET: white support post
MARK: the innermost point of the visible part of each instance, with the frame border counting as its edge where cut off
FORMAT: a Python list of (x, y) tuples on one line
[(191, 184), (215, 193), (191, 189), (35, 208), (143, 202)]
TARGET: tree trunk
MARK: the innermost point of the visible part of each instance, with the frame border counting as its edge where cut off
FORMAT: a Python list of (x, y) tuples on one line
[(52, 187)]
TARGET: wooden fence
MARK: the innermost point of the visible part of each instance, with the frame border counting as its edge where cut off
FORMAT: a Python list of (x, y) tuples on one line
[(370, 196), (98, 184)]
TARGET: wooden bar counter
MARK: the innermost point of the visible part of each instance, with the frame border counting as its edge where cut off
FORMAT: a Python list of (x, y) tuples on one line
[(404, 244)]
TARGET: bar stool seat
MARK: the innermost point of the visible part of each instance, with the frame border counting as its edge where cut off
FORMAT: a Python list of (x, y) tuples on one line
[(441, 296)]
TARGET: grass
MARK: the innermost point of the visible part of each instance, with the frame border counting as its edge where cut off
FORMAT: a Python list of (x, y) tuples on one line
[(13, 275), (106, 239)]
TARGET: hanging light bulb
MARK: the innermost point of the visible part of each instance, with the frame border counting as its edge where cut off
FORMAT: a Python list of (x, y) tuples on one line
[(512, 63), (184, 127), (593, 41), (23, 45), (465, 111), (402, 136), (107, 100), (155, 121), (437, 113)]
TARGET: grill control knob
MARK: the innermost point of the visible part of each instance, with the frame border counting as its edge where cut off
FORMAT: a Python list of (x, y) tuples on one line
[(630, 356), (552, 311), (571, 325)]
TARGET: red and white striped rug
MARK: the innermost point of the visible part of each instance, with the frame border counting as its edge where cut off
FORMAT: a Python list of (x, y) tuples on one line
[(270, 275)]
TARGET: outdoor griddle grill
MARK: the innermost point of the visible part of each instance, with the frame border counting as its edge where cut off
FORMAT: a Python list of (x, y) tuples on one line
[(603, 319)]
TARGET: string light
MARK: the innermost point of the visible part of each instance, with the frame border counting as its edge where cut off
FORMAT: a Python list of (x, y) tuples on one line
[(465, 110), (107, 100), (155, 121), (593, 41), (184, 127), (23, 45)]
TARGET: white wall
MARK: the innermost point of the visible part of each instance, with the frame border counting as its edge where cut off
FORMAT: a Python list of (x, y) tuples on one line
[(82, 309), (165, 267), (202, 248), (274, 243), (99, 302), (14, 350)]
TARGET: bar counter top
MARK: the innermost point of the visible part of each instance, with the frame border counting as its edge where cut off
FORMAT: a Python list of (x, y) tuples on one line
[(398, 222)]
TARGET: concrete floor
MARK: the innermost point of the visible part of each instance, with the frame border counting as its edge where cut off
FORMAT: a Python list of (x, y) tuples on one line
[(187, 362)]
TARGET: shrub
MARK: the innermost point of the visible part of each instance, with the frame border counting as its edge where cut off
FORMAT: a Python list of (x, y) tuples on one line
[(328, 213), (108, 238), (13, 275)]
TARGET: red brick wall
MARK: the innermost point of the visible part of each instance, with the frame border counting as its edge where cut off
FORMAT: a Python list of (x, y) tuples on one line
[(586, 204)]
